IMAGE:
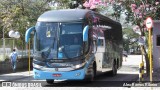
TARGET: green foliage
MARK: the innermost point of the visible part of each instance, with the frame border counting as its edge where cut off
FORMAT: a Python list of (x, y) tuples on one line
[(128, 35), (18, 15), (62, 4)]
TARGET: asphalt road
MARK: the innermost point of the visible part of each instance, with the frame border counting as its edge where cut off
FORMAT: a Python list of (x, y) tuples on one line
[(103, 80), (127, 74)]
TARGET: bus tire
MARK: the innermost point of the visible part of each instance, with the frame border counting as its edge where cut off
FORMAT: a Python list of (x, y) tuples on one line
[(50, 81), (114, 69), (91, 77), (93, 74)]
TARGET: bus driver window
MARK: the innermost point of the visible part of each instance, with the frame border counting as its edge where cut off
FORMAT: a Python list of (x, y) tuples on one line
[(75, 40)]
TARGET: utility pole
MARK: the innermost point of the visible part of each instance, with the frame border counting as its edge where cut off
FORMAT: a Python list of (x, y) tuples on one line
[(4, 51)]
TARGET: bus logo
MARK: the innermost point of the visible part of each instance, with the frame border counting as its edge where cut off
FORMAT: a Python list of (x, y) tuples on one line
[(56, 69)]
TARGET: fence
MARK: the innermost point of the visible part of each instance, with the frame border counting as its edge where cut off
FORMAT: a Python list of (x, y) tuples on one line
[(8, 46)]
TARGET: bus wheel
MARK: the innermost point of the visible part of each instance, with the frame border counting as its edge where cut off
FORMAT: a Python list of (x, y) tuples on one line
[(92, 75), (114, 69), (50, 81)]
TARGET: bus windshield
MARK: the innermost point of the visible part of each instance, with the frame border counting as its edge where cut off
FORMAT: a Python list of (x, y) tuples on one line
[(59, 40), (46, 39), (70, 43)]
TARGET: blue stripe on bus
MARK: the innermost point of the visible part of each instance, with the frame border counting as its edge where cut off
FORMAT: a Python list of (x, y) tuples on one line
[(69, 75)]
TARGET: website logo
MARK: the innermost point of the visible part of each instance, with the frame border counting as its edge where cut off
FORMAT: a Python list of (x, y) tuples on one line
[(6, 84)]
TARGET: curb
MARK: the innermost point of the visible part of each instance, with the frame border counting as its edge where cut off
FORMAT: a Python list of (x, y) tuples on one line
[(14, 79), (23, 75)]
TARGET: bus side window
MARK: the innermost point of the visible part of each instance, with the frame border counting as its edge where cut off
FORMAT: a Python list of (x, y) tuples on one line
[(100, 42), (94, 46)]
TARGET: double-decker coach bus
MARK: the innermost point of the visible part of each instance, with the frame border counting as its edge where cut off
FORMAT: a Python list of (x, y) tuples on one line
[(75, 44)]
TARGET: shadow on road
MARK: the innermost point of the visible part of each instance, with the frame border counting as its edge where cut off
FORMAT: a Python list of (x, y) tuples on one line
[(103, 80), (12, 77)]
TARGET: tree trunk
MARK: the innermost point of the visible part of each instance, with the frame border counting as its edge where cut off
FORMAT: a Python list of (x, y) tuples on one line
[(147, 60)]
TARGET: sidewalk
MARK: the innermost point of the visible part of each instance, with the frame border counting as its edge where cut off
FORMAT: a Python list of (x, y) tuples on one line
[(155, 75), (15, 76)]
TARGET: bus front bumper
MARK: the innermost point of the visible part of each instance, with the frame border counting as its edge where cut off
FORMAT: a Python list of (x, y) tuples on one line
[(69, 75)]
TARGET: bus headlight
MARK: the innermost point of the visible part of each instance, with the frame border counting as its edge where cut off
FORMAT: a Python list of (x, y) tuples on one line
[(78, 66), (37, 66)]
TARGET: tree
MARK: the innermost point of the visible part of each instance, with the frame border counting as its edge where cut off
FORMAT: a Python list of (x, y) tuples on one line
[(18, 15), (137, 12), (60, 4), (110, 8), (66, 4), (130, 38)]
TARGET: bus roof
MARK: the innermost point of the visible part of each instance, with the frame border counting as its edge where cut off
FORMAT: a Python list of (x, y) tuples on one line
[(78, 15), (65, 15)]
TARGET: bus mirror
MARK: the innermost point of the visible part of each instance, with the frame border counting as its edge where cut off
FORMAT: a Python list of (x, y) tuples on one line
[(28, 32), (85, 33)]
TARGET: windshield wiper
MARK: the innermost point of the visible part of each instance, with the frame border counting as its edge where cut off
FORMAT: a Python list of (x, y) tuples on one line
[(45, 52)]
